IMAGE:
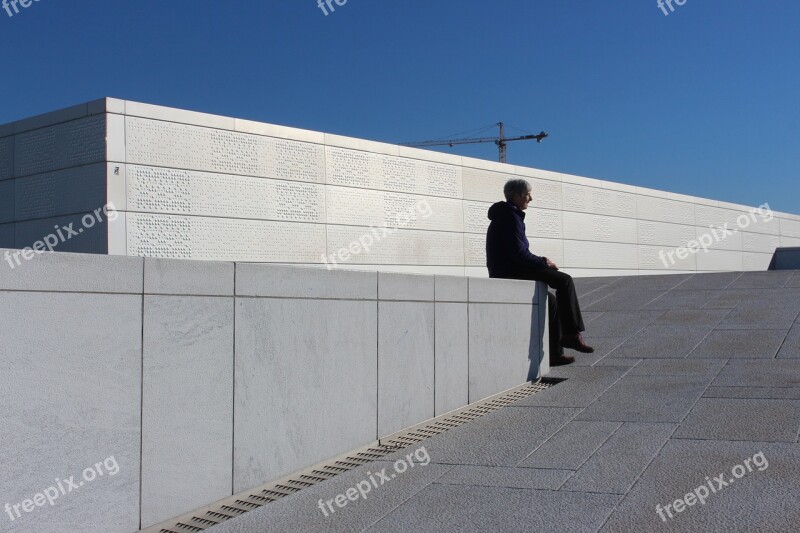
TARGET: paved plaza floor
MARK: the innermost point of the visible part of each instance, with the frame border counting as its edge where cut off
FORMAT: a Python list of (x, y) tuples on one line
[(685, 418)]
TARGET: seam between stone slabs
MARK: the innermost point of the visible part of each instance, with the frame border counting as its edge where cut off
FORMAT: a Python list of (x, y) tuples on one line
[(581, 409), (590, 455), (713, 328), (663, 312), (737, 440), (390, 511), (689, 411), (626, 339), (787, 334), (639, 477)]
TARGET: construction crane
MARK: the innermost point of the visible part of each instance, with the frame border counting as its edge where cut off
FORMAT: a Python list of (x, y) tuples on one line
[(500, 141)]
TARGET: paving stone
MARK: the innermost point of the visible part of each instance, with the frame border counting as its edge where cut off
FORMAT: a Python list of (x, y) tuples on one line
[(465, 508), (618, 361), (621, 323), (762, 500), (761, 315), (501, 438), (775, 373), (602, 347), (583, 386), (730, 298), (625, 300), (590, 298), (662, 341), (616, 466), (676, 299), (572, 446), (301, 512), (776, 393), (758, 280), (586, 285), (717, 280), (693, 317), (739, 343), (794, 281), (667, 368), (589, 316), (735, 419), (790, 349), (651, 282), (647, 399), (499, 476)]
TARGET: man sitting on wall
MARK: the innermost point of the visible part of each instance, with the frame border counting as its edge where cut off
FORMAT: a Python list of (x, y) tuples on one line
[(508, 256)]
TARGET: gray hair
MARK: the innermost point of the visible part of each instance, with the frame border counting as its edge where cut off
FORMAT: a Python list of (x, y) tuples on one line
[(516, 187)]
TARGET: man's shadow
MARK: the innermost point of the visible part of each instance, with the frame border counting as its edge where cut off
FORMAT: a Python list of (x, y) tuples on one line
[(544, 305)]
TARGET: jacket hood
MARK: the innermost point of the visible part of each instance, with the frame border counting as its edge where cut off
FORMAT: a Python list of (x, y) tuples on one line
[(501, 210)]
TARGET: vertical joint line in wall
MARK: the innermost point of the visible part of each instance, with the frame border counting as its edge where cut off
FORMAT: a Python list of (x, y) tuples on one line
[(141, 399), (233, 390)]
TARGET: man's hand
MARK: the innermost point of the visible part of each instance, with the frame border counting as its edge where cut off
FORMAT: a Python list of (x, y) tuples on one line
[(552, 265)]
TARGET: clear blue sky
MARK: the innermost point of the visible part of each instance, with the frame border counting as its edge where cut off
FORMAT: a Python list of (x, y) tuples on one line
[(702, 102)]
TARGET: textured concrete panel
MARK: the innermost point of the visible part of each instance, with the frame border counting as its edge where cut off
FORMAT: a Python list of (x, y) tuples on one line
[(362, 207), (663, 210), (476, 218), (756, 261), (405, 365), (754, 420), (759, 242), (184, 192), (572, 445), (664, 234), (165, 144), (78, 233), (719, 238), (789, 228), (466, 508), (6, 158), (405, 287), (599, 254), (495, 476), (346, 244), (327, 387), (661, 257), (62, 192), (503, 347), (593, 200), (279, 281), (187, 409), (222, 239), (66, 145), (71, 395), (451, 371), (182, 116), (368, 170), (619, 462), (73, 273), (586, 227), (544, 223), (198, 278), (553, 249), (720, 260)]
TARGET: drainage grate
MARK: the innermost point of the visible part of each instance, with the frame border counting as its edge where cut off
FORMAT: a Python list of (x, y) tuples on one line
[(258, 497)]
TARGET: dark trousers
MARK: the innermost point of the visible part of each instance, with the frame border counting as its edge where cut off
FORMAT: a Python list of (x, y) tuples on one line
[(563, 309)]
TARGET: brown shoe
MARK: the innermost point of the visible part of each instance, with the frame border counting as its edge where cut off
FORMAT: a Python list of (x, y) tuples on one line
[(575, 342), (559, 360)]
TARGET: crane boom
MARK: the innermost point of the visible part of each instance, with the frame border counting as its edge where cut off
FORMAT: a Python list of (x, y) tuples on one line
[(500, 141)]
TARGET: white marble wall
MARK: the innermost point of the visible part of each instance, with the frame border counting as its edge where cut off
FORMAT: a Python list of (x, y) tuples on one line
[(204, 378), (197, 186)]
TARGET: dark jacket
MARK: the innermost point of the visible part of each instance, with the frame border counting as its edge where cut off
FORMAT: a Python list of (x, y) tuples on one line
[(507, 253)]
